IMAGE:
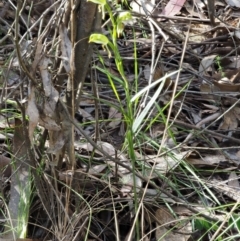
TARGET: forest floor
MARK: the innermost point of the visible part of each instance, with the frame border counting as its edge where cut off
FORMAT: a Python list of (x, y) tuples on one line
[(151, 148)]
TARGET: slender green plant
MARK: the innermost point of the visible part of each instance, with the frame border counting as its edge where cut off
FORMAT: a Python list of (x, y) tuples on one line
[(127, 110), (220, 68)]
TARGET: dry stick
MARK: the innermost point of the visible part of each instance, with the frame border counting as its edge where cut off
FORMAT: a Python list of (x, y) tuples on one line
[(20, 60), (174, 91), (71, 106), (96, 102), (177, 18), (213, 133), (215, 117), (152, 70), (202, 122), (176, 199), (71, 100), (211, 12), (152, 23)]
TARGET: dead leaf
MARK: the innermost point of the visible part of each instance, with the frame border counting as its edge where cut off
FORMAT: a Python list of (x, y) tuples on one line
[(227, 87), (37, 56), (5, 167), (33, 114), (196, 117), (66, 48), (190, 8), (48, 117), (223, 188), (228, 76), (85, 114), (50, 92), (233, 3), (158, 74), (205, 87), (103, 145), (232, 61), (166, 221), (233, 180), (165, 163), (115, 116), (49, 123), (173, 7), (230, 120), (128, 183), (207, 160), (205, 65), (127, 179), (157, 130), (149, 5)]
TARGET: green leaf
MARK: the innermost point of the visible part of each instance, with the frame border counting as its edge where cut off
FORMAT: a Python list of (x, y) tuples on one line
[(234, 220), (153, 84), (203, 224), (122, 18), (139, 119), (98, 38), (100, 2)]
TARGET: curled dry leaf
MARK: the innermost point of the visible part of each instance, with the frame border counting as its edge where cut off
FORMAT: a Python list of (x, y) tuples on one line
[(103, 145), (226, 75), (86, 115), (49, 123), (196, 117), (205, 65), (66, 48), (50, 92), (56, 143), (33, 114), (116, 116), (128, 183), (226, 87), (57, 139), (232, 62), (37, 56), (48, 117)]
